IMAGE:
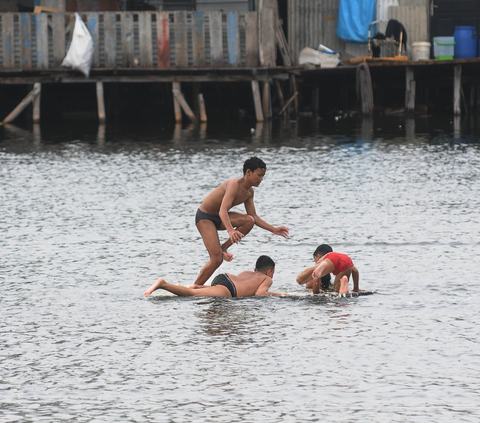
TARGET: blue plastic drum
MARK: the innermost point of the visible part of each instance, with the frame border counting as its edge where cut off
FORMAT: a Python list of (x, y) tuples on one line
[(465, 42)]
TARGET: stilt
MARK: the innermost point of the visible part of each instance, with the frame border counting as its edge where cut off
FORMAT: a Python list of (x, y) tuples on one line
[(457, 85), (281, 99), (294, 91), (292, 98), (409, 90), (36, 103), (364, 88), (176, 103), (177, 94), (201, 106), (100, 102), (24, 103), (267, 100), (257, 101)]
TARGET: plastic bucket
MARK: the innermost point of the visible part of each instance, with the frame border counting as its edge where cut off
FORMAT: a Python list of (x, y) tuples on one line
[(443, 48), (465, 42), (420, 51)]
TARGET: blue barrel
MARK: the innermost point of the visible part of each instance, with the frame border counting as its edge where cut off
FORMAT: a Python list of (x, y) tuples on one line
[(465, 42)]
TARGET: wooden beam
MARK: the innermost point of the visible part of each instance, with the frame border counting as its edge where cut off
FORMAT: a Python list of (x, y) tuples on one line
[(36, 102), (203, 111), (100, 102), (257, 101), (457, 85), (163, 40), (292, 98), (176, 103), (145, 39), (24, 103), (267, 100)]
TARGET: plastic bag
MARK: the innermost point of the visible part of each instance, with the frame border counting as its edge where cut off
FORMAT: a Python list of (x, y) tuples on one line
[(319, 58), (80, 52)]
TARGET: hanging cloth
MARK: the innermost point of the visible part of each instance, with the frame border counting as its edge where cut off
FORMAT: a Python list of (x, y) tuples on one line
[(354, 17)]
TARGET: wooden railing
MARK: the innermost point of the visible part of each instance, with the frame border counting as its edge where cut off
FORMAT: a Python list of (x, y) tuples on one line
[(165, 40)]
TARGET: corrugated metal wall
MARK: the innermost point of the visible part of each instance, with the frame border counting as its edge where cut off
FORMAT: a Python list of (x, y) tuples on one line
[(312, 22)]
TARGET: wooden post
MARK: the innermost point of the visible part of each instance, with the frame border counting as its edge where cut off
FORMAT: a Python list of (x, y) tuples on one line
[(176, 104), (267, 100), (24, 103), (100, 102), (409, 90), (203, 111), (364, 82), (457, 85), (257, 101), (281, 99), (177, 94), (294, 92), (36, 102)]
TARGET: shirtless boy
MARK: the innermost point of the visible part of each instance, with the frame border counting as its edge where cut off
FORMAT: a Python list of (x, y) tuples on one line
[(341, 266), (305, 277), (214, 215), (246, 284)]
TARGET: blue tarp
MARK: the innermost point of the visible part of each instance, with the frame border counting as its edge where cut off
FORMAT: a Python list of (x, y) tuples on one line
[(354, 17)]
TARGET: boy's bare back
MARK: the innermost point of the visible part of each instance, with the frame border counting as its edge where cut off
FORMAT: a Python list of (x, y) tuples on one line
[(248, 282)]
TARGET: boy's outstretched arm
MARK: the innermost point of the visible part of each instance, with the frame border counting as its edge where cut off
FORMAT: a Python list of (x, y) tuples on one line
[(277, 230), (263, 289)]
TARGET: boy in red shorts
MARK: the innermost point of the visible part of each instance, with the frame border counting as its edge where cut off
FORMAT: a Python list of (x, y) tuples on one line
[(341, 266)]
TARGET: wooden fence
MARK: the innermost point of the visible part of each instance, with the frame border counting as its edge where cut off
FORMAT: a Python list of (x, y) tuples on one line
[(162, 40)]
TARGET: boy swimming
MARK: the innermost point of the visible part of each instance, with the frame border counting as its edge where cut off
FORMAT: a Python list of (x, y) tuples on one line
[(214, 215), (342, 267)]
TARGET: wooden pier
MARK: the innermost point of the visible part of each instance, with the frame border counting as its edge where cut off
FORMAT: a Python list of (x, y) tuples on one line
[(149, 47)]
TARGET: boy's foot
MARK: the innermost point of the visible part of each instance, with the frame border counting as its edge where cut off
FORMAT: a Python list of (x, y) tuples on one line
[(227, 256), (160, 282)]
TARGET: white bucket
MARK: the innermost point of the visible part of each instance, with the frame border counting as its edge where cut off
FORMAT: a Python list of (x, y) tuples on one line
[(420, 51)]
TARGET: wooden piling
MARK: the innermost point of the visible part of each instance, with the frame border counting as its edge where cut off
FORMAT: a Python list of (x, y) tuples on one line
[(24, 103), (36, 102), (457, 85), (100, 102), (409, 90), (257, 101)]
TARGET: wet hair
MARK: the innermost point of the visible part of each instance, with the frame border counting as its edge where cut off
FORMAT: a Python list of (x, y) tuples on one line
[(253, 163), (264, 263), (322, 250)]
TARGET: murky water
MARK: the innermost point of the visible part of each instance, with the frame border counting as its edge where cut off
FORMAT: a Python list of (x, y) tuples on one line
[(89, 218)]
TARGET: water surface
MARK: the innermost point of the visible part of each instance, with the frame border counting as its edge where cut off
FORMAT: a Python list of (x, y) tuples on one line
[(89, 217)]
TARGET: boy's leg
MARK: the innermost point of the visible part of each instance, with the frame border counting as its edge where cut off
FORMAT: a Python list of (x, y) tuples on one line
[(209, 234), (183, 291), (326, 267), (341, 281), (241, 222)]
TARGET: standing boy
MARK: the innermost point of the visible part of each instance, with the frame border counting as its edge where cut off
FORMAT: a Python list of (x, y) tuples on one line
[(214, 215)]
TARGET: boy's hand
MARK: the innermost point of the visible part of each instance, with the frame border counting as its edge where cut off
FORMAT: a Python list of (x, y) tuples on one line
[(235, 236), (281, 230)]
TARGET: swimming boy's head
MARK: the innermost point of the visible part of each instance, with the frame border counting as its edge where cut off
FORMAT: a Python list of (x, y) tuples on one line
[(265, 264), (253, 163)]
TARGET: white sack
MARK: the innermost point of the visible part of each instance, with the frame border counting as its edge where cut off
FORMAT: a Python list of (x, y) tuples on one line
[(80, 53), (318, 58)]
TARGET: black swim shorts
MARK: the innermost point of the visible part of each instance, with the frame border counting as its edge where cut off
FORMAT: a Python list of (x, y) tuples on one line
[(225, 281), (202, 215)]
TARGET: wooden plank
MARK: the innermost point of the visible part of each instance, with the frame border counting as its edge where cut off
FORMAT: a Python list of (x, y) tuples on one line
[(257, 101), (267, 101), (24, 103), (233, 37), (100, 102), (198, 39), (186, 108), (181, 58), (216, 39), (268, 37), (42, 40), (58, 38), (109, 19), (36, 102), (127, 39), (8, 41), (145, 39), (251, 39), (163, 40), (457, 85), (93, 25), (25, 41)]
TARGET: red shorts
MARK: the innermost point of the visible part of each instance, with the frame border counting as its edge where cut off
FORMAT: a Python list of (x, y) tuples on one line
[(341, 262)]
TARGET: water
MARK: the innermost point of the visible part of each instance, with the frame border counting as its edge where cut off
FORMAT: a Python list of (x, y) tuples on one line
[(89, 218)]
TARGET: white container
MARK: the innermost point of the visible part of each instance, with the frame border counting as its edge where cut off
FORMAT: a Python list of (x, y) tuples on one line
[(420, 51)]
